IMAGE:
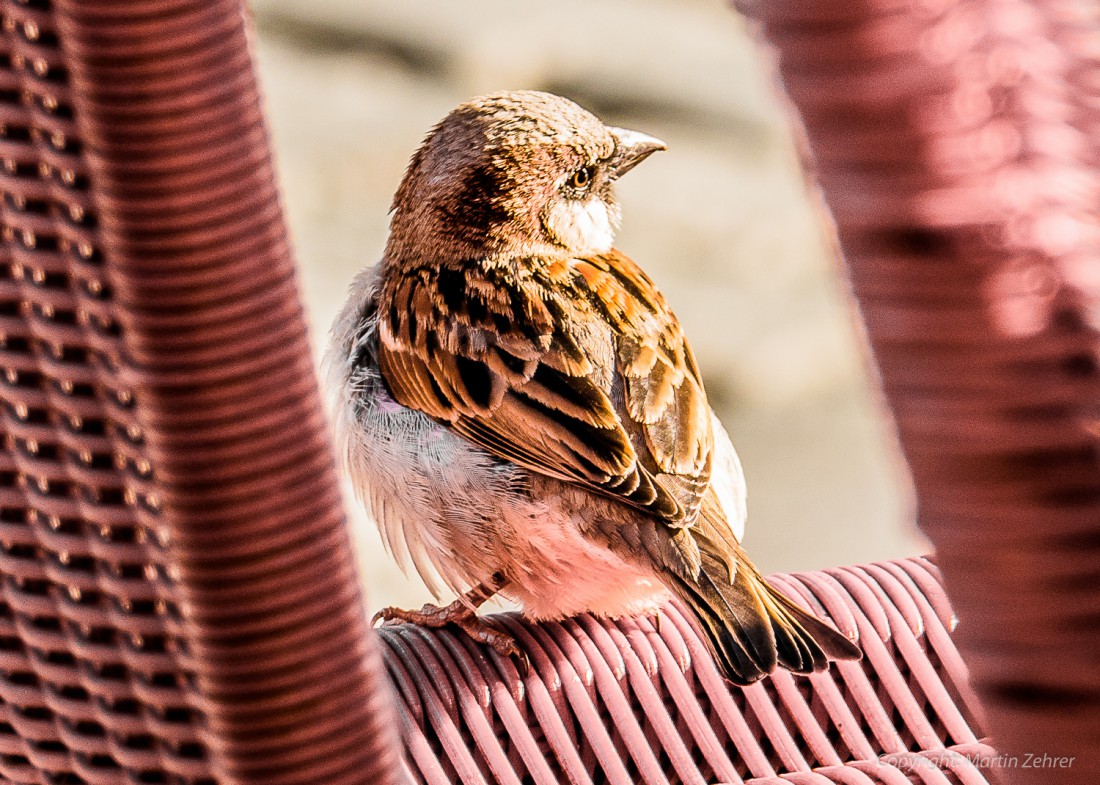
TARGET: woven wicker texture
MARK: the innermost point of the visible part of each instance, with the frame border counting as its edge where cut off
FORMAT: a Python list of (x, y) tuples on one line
[(178, 598), (957, 147), (640, 701)]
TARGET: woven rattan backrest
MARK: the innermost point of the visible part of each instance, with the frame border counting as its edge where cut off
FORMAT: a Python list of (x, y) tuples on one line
[(640, 701), (957, 146), (177, 597)]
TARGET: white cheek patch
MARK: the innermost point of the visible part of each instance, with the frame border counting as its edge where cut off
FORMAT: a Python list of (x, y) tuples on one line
[(582, 227)]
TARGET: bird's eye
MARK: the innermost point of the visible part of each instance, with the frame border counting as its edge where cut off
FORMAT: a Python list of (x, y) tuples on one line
[(582, 178)]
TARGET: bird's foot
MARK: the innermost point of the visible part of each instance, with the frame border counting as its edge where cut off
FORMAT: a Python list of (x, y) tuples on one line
[(462, 616)]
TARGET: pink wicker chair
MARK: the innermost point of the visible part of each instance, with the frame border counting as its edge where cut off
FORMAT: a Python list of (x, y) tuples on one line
[(178, 601), (636, 701), (957, 147)]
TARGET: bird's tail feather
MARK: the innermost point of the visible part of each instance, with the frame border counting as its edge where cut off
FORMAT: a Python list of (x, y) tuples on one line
[(750, 627)]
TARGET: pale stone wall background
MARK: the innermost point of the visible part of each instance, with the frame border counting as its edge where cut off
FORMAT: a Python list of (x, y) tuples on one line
[(722, 221)]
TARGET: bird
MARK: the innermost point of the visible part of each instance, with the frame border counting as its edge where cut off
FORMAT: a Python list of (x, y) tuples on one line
[(518, 408)]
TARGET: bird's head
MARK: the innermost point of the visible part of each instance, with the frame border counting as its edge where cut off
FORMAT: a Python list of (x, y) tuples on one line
[(514, 173)]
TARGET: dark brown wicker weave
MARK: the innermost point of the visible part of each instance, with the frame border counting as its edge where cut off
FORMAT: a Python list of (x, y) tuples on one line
[(178, 594), (179, 599)]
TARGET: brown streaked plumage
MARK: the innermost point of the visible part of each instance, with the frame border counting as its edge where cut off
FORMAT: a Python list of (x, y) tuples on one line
[(508, 357), (518, 406)]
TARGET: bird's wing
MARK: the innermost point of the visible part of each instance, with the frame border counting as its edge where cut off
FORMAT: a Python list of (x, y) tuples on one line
[(576, 369), (728, 483)]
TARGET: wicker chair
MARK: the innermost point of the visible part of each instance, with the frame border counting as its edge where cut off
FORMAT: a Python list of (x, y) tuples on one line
[(179, 600)]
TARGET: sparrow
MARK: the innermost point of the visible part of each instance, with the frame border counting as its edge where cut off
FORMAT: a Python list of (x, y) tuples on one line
[(518, 407)]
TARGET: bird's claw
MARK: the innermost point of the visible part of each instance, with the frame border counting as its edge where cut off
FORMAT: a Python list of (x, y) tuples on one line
[(524, 664), (428, 616), (460, 615)]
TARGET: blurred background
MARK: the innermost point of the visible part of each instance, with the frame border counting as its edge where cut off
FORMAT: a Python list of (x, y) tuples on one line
[(723, 222)]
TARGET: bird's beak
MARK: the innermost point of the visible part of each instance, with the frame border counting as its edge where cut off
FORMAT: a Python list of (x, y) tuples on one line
[(631, 148)]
